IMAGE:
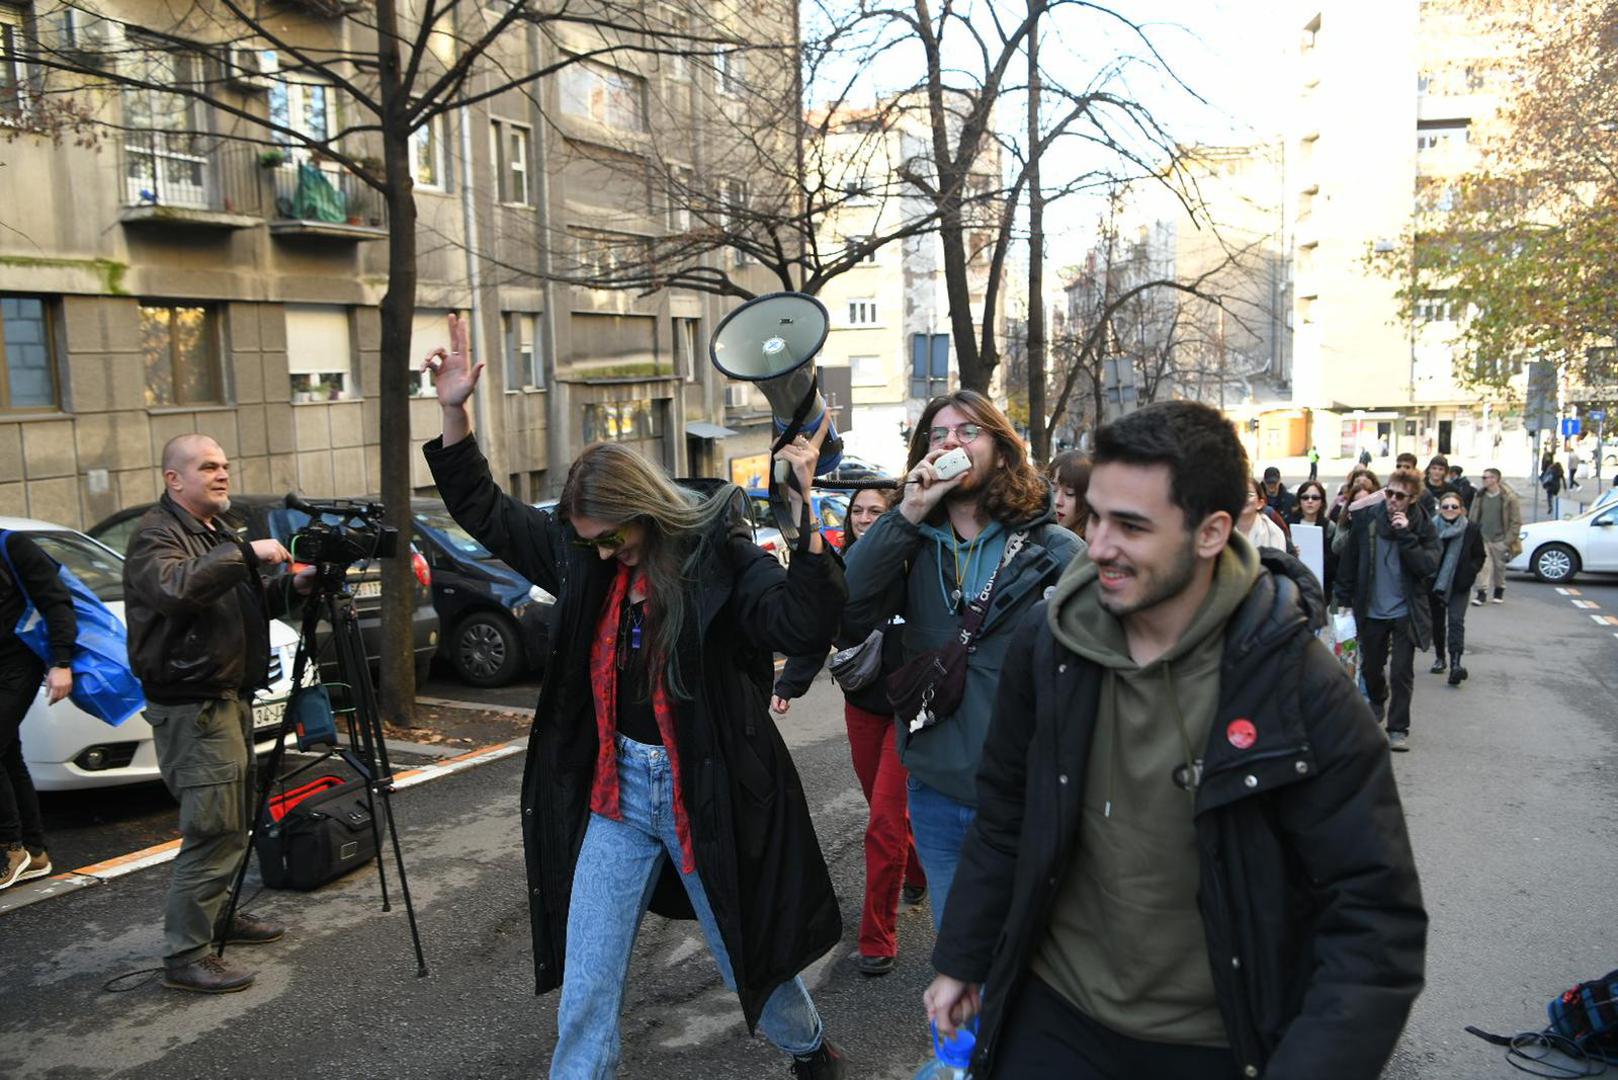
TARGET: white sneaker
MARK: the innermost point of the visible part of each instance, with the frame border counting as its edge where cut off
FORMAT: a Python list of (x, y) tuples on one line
[(1497, 600)]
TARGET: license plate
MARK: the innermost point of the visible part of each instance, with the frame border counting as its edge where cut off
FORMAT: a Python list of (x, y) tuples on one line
[(366, 589), (268, 715)]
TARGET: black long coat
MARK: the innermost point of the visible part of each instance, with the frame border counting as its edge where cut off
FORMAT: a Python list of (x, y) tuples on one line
[(755, 846)]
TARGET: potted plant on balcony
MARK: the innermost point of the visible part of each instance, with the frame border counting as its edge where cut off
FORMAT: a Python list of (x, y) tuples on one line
[(273, 159)]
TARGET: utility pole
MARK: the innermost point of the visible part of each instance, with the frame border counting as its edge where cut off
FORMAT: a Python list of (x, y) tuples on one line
[(1036, 254)]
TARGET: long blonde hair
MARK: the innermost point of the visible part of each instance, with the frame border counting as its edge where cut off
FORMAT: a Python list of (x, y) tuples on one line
[(610, 482)]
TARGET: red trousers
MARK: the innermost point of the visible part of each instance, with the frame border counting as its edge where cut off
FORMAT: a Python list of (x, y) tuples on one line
[(890, 854)]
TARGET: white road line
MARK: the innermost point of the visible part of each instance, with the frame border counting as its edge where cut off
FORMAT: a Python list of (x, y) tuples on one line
[(1586, 604), (438, 772)]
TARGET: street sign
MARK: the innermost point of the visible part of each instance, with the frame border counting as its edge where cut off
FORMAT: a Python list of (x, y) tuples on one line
[(1570, 426), (1597, 415)]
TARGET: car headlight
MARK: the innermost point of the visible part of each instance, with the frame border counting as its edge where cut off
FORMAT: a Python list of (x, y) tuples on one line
[(540, 596)]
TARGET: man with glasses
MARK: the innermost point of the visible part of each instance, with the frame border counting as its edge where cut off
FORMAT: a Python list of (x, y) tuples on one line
[(926, 560), (1383, 573)]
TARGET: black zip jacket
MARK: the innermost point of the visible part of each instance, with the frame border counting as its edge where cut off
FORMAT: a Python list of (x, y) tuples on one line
[(1309, 899), (41, 584), (197, 610), (1418, 562)]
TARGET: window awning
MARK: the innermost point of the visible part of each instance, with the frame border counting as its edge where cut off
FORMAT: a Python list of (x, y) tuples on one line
[(704, 430)]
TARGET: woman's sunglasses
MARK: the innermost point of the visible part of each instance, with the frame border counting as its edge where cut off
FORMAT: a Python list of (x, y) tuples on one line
[(609, 541)]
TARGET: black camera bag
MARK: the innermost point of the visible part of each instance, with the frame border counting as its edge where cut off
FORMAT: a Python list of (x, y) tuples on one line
[(314, 834)]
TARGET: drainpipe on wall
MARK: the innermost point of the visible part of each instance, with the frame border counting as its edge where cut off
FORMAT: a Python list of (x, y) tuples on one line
[(469, 215)]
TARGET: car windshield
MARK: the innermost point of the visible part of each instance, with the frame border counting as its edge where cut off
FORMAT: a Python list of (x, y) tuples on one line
[(100, 570), (463, 542)]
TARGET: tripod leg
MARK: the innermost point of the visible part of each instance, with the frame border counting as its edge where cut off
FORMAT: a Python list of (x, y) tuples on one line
[(356, 669)]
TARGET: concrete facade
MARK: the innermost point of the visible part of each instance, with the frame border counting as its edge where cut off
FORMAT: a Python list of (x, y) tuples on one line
[(179, 286)]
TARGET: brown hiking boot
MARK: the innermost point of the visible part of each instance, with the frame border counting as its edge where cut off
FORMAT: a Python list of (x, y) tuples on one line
[(39, 865), (13, 861), (248, 929), (209, 975)]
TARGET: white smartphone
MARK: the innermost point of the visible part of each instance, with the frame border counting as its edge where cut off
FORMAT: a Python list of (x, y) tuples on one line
[(952, 464)]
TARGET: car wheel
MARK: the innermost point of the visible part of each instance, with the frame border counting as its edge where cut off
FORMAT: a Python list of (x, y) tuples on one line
[(487, 651), (1555, 563)]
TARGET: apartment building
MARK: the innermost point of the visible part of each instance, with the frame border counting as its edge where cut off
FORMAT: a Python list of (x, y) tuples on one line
[(182, 272), (1391, 102)]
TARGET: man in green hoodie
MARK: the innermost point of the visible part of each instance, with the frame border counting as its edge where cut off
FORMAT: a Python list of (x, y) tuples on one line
[(1189, 857)]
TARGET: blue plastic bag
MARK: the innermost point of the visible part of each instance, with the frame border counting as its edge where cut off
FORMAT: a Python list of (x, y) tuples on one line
[(103, 684)]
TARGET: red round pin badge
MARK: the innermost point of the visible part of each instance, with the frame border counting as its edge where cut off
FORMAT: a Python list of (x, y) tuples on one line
[(1241, 734)]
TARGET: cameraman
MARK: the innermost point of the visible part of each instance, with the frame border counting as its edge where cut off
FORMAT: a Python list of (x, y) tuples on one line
[(199, 641)]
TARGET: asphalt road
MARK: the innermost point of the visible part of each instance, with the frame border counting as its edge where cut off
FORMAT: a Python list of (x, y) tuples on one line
[(1509, 792)]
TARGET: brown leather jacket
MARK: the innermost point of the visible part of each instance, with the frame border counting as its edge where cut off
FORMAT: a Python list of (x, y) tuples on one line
[(196, 607)]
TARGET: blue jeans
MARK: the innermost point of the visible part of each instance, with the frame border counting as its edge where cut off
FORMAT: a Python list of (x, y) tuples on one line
[(613, 882), (939, 824)]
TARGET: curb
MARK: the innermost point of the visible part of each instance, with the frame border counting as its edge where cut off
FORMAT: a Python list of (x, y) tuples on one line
[(107, 870)]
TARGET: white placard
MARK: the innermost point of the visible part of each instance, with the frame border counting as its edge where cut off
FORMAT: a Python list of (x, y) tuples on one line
[(1311, 543)]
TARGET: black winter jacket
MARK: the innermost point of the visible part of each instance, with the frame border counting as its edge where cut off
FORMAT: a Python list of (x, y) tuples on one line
[(1418, 559), (1309, 897), (1473, 556), (37, 580), (197, 609), (755, 846)]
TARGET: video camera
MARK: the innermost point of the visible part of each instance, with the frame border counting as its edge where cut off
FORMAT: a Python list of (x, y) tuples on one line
[(341, 532)]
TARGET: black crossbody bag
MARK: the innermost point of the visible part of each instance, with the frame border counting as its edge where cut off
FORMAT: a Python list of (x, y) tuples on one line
[(930, 687)]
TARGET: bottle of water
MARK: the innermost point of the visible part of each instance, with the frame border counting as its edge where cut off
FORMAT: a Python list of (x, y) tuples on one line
[(951, 1057)]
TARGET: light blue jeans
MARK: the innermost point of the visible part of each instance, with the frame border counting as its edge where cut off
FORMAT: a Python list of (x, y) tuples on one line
[(613, 882), (939, 824)]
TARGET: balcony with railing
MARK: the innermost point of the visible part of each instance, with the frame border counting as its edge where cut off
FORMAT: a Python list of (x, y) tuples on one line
[(325, 202), (176, 178)]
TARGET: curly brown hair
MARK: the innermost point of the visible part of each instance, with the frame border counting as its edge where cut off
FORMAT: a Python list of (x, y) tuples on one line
[(1017, 491)]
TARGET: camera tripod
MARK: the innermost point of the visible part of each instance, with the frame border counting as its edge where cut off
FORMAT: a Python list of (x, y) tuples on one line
[(366, 752)]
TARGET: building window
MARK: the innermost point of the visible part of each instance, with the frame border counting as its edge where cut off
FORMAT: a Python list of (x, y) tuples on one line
[(1432, 134), (679, 37), (929, 365), (685, 348), (623, 421), (320, 353), (429, 330), (28, 349), (165, 160), (867, 258), (680, 192), (13, 73), (511, 161), (1435, 309), (603, 94), (523, 369), (427, 155), (180, 343), (306, 107), (730, 70), (862, 312), (866, 371)]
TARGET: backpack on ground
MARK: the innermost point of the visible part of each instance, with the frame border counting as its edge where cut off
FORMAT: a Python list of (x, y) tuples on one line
[(103, 684)]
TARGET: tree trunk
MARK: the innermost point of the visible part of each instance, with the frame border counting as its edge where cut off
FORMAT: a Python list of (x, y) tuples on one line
[(1036, 257), (397, 691)]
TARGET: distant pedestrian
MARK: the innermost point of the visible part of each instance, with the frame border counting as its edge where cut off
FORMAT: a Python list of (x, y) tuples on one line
[(892, 869), (1190, 860), (1435, 482), (1461, 556), (22, 828), (1276, 495), (1314, 462), (1070, 478), (1458, 481), (1498, 513), (1573, 462), (1257, 523), (1390, 556), (1552, 479), (1365, 457)]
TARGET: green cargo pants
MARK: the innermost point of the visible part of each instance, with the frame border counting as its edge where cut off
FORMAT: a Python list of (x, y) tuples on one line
[(204, 753)]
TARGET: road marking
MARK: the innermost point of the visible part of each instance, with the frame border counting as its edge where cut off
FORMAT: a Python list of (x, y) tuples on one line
[(476, 706), (1585, 604), (1605, 620), (19, 896), (1569, 592)]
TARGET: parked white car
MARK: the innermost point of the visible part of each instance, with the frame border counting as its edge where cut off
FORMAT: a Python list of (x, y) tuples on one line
[(1556, 551), (67, 749)]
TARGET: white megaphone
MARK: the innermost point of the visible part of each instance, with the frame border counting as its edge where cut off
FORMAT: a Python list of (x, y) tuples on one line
[(772, 341)]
